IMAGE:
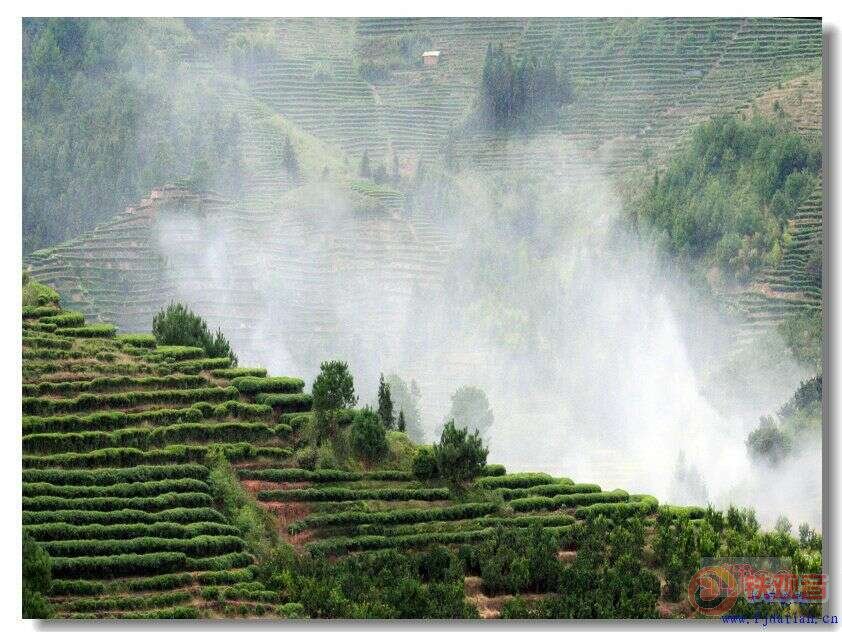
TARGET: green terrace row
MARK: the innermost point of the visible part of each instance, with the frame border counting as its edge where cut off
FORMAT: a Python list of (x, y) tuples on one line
[(145, 438), (113, 566), (113, 476), (122, 603), (45, 406), (56, 531), (284, 475), (169, 581), (118, 490), (114, 383), (172, 454), (316, 494), (198, 546), (104, 421), (170, 500), (341, 545)]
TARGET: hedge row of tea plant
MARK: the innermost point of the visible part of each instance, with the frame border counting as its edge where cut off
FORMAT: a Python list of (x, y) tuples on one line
[(129, 399), (194, 366), (142, 341), (106, 503), (145, 438), (107, 566), (250, 384), (172, 454), (111, 420), (199, 546), (180, 515), (544, 503), (112, 383), (88, 331), (286, 402), (65, 319), (230, 374), (126, 603), (89, 587), (642, 507), (553, 489), (320, 494), (113, 476), (286, 475), (50, 531), (341, 545), (525, 479), (396, 516), (40, 311), (472, 524), (46, 341), (122, 490)]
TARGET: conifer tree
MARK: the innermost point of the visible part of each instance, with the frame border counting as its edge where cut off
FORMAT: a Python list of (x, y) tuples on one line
[(401, 421), (385, 407), (290, 162), (365, 165)]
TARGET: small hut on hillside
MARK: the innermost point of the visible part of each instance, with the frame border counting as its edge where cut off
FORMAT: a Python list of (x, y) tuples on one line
[(431, 57)]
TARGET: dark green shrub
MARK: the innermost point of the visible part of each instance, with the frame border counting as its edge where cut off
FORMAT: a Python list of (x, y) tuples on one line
[(368, 437), (177, 325), (424, 465), (459, 456), (37, 578)]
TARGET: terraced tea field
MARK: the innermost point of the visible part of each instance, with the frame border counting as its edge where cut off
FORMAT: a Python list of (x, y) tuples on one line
[(119, 485), (116, 483)]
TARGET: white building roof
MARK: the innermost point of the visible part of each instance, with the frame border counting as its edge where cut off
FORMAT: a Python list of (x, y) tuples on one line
[(431, 53)]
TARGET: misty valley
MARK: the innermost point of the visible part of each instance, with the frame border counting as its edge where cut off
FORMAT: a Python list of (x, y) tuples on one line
[(422, 318)]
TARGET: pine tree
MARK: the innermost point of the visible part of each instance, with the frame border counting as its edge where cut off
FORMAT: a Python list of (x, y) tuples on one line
[(396, 169), (384, 404), (290, 162), (401, 421), (365, 165)]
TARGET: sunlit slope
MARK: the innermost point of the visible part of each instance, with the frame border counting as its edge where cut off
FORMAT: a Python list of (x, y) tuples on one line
[(116, 431)]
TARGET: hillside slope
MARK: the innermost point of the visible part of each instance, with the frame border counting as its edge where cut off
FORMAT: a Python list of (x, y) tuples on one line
[(127, 486)]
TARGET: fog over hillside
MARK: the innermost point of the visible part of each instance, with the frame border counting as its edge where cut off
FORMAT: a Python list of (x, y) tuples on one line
[(606, 365), (520, 270)]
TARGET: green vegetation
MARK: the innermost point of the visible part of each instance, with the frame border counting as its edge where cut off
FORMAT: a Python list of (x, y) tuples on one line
[(798, 421), (520, 93), (725, 199), (459, 456), (92, 90), (160, 480), (385, 407), (333, 393), (37, 578), (177, 325), (368, 436)]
